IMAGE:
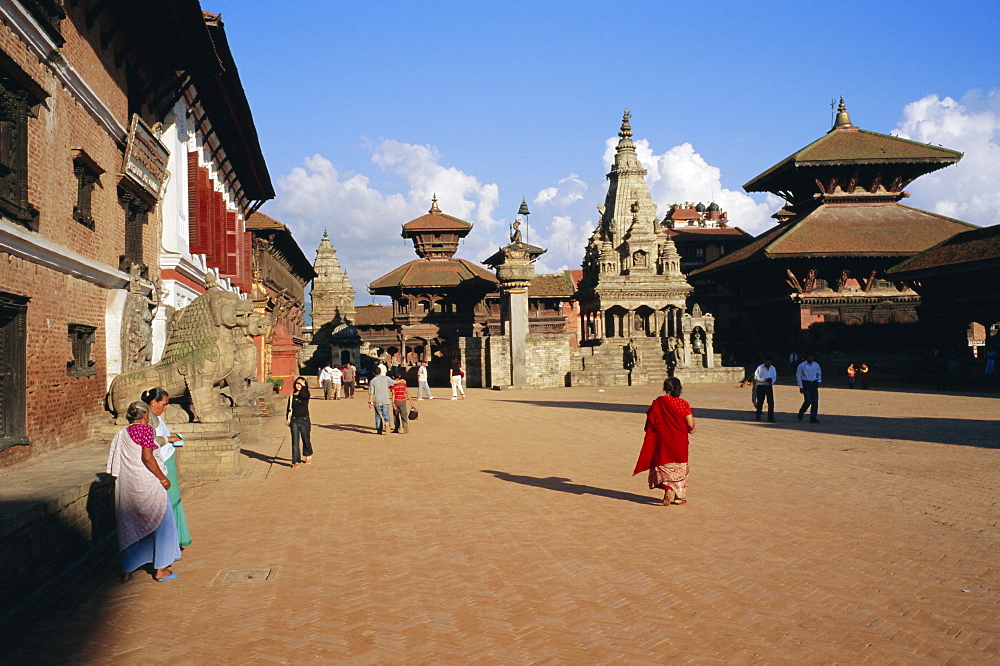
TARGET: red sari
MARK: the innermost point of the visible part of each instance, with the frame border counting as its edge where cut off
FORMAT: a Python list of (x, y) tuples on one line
[(665, 447)]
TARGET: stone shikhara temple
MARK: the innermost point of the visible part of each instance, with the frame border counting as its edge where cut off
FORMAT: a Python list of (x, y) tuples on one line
[(633, 296)]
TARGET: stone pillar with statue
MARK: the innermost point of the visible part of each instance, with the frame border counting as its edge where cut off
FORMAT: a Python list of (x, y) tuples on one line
[(514, 267)]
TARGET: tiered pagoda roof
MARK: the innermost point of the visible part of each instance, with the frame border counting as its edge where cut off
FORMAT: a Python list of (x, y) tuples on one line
[(842, 193)]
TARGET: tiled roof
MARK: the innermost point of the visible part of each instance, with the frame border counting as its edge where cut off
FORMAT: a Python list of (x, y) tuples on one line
[(684, 214), (437, 221), (552, 285), (432, 273), (964, 250), (837, 231), (577, 275), (373, 315), (260, 221), (858, 146), (706, 233)]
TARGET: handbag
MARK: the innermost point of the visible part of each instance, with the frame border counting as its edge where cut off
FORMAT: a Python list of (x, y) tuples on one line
[(413, 414)]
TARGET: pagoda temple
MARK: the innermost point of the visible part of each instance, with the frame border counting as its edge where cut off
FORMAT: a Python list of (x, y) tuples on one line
[(822, 270), (438, 298)]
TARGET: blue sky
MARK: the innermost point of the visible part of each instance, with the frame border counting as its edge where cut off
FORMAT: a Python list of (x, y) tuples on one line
[(366, 108)]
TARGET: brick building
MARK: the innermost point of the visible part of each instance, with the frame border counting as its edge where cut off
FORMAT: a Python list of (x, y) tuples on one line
[(100, 102)]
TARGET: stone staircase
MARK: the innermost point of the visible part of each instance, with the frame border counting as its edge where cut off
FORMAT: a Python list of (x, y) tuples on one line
[(604, 365)]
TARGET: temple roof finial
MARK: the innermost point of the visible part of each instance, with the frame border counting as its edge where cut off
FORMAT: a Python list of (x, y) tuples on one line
[(434, 204), (626, 130), (843, 120), (325, 235)]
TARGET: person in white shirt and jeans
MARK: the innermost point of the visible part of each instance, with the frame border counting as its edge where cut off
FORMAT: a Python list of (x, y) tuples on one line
[(422, 385), (764, 377), (809, 376)]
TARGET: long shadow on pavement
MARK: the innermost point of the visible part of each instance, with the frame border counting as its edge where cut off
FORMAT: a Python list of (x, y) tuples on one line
[(349, 427), (982, 433), (563, 485)]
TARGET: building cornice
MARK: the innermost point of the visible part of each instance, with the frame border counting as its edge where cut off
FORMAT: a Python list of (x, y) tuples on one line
[(40, 44), (20, 242)]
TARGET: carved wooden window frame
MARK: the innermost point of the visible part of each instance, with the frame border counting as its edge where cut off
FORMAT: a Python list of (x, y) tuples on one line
[(136, 216), (13, 370), (88, 175), (17, 105), (81, 339)]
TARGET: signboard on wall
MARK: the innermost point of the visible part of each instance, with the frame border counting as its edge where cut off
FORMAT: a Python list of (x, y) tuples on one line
[(145, 162)]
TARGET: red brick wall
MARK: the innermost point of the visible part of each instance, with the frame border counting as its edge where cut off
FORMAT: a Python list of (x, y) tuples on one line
[(61, 409)]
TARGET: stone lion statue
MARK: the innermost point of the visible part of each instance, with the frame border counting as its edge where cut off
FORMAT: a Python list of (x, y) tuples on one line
[(209, 355)]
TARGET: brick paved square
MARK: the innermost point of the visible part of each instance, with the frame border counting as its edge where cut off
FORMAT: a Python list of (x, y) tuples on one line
[(506, 528)]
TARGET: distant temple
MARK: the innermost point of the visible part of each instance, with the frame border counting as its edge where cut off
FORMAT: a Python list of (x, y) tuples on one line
[(818, 279), (335, 338)]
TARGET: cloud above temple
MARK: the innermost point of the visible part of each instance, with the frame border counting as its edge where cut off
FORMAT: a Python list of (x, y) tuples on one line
[(364, 220), (969, 190)]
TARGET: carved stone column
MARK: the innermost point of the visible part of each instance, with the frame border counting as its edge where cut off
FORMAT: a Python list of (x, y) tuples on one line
[(514, 268), (709, 341)]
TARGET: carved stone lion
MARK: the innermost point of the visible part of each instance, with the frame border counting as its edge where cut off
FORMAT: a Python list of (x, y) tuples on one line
[(209, 351)]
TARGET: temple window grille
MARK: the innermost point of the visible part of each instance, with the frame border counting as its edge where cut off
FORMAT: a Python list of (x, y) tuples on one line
[(87, 175), (136, 214), (81, 338), (15, 109), (13, 377)]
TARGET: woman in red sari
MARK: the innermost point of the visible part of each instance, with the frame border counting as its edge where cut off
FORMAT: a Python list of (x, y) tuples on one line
[(665, 448)]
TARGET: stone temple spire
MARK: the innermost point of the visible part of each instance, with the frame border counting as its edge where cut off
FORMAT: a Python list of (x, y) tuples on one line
[(628, 207), (332, 294)]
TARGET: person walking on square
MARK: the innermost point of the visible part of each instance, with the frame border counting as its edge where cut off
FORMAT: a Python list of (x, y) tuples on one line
[(379, 399), (297, 419), (147, 531), (336, 379), (763, 385), (349, 373), (664, 453), (157, 399), (809, 376), (850, 376), (400, 405), (326, 380), (863, 371), (422, 385), (457, 374)]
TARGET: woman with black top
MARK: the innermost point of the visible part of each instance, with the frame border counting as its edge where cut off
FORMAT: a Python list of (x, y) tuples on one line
[(297, 417)]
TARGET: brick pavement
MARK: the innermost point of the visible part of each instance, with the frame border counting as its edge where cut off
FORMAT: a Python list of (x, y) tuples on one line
[(506, 528)]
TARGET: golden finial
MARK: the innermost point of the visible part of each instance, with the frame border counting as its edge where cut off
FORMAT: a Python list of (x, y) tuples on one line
[(843, 118), (434, 204)]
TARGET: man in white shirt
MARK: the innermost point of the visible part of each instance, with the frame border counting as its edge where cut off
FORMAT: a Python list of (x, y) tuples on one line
[(423, 386), (326, 380), (809, 376), (763, 382), (336, 378)]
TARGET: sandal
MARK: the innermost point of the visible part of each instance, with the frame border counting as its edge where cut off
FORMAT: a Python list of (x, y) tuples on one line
[(126, 578), (668, 498), (679, 501)]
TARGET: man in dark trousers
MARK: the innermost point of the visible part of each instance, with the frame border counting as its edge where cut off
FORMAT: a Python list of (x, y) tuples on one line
[(809, 376), (763, 385)]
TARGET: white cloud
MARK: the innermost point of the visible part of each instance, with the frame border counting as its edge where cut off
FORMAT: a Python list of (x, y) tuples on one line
[(364, 223), (970, 190)]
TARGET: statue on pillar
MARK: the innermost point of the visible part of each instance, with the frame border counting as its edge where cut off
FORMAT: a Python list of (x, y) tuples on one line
[(515, 234)]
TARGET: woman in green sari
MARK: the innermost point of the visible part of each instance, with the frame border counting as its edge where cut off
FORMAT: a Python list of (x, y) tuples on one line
[(157, 399)]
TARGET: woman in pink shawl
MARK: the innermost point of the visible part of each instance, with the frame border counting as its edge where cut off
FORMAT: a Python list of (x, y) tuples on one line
[(665, 448), (147, 532)]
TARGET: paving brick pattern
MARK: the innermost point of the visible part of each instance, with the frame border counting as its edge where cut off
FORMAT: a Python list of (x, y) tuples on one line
[(506, 528)]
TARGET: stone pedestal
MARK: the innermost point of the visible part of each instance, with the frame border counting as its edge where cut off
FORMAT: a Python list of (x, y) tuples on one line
[(513, 264)]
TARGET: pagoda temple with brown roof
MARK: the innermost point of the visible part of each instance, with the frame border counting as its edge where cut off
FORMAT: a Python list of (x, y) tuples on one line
[(437, 298), (822, 270)]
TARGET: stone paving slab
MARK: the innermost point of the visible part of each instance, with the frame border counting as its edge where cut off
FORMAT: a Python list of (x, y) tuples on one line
[(506, 528)]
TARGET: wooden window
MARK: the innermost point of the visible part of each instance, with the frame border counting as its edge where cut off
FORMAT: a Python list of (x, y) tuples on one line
[(13, 377), (87, 173), (81, 338), (15, 108), (136, 216)]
